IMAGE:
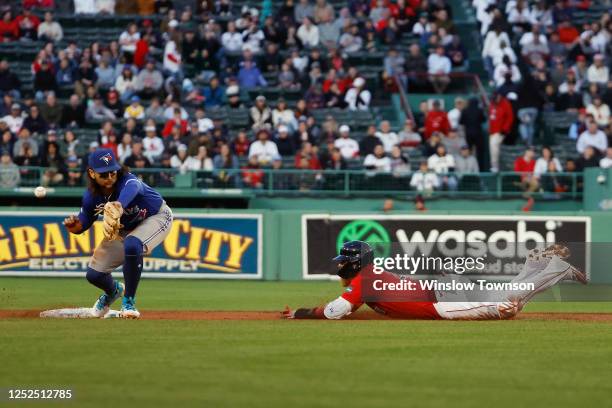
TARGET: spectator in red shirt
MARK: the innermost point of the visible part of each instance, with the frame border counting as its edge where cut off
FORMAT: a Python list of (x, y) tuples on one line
[(28, 25), (9, 31), (307, 154), (175, 121), (568, 34), (241, 144), (525, 165), (252, 175), (142, 51), (436, 121), (501, 118), (46, 4)]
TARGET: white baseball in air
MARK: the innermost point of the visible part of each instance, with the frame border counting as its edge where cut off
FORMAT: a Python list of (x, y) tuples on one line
[(40, 191)]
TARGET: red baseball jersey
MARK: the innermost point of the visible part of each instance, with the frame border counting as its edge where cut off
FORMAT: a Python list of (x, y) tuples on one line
[(415, 304)]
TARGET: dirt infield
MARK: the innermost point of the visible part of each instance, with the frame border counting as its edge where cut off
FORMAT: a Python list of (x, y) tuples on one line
[(254, 315)]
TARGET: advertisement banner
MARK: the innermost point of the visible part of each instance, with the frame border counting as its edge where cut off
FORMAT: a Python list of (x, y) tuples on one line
[(198, 246), (508, 237)]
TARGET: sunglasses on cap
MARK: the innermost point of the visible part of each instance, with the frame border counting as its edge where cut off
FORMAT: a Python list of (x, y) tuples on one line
[(107, 174)]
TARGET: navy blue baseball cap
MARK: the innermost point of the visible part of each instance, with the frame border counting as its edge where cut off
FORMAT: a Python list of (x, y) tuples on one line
[(103, 160)]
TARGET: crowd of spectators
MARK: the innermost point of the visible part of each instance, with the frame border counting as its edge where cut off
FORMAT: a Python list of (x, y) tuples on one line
[(543, 59), (151, 89)]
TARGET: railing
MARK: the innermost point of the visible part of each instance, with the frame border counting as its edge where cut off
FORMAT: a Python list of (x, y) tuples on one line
[(469, 77), (324, 183), (403, 98)]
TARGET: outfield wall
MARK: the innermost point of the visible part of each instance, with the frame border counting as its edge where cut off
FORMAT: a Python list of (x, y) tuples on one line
[(269, 244)]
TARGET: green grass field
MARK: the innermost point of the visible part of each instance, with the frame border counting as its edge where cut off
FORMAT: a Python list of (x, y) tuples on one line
[(556, 363)]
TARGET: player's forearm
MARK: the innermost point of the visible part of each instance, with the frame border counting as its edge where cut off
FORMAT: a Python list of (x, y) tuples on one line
[(313, 313)]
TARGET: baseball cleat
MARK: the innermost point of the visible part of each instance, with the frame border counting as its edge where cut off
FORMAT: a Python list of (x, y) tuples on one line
[(102, 305), (128, 309), (578, 276)]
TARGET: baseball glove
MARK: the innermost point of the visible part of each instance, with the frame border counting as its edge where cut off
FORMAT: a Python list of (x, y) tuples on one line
[(112, 214)]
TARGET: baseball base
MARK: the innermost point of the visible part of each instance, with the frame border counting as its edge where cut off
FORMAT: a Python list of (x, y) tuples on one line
[(76, 313)]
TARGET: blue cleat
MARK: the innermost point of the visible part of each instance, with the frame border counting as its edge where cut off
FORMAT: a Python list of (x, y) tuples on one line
[(128, 308), (102, 305)]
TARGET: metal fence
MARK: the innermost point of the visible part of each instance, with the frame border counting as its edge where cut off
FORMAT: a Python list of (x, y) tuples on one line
[(329, 182)]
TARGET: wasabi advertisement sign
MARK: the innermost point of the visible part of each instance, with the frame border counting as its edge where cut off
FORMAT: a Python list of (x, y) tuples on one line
[(503, 240), (198, 246)]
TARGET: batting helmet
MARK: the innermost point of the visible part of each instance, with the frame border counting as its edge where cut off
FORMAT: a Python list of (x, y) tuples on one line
[(354, 255)]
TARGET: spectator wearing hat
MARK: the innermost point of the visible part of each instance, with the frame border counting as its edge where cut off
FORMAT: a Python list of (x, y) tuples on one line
[(357, 97), (263, 148), (442, 164), (9, 171), (180, 160), (424, 180), (233, 97), (260, 114), (73, 172), (152, 144), (14, 120), (249, 76), (465, 162), (378, 161), (598, 72), (134, 110), (348, 147), (213, 93), (284, 142), (113, 103)]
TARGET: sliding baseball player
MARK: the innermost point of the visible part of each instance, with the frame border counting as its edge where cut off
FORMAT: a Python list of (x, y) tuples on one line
[(542, 270), (136, 220)]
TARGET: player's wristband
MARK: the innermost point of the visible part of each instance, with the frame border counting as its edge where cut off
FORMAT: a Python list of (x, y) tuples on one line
[(314, 313)]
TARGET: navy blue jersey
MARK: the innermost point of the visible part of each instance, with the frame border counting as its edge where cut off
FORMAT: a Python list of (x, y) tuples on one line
[(139, 202)]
